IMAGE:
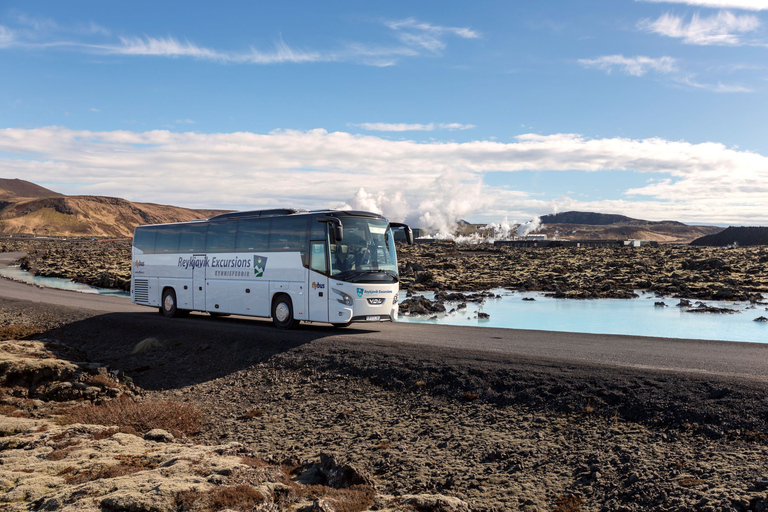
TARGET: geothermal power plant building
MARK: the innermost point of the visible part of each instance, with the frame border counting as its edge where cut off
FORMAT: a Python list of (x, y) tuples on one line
[(544, 243)]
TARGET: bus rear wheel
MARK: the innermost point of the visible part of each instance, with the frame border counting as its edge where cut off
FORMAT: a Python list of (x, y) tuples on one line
[(168, 307), (282, 312)]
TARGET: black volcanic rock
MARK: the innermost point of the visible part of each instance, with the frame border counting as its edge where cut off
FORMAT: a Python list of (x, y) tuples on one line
[(741, 236), (421, 305)]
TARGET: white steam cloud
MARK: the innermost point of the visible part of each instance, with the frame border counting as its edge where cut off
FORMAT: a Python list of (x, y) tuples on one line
[(436, 208), (529, 227), (500, 231), (504, 230)]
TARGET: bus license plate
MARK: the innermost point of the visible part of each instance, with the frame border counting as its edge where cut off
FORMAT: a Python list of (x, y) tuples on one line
[(373, 318)]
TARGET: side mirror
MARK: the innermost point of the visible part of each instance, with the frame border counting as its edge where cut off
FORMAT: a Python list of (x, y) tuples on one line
[(338, 228), (406, 229)]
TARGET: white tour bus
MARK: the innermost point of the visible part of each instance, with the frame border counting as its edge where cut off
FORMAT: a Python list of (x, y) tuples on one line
[(292, 265)]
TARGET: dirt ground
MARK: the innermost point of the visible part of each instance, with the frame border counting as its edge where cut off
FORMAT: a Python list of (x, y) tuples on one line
[(499, 434)]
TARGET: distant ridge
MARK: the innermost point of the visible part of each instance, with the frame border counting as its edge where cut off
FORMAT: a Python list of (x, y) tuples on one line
[(599, 219), (602, 226), (16, 188), (31, 209), (742, 236)]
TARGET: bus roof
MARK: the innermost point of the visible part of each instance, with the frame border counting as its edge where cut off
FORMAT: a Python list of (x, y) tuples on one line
[(278, 212), (294, 211)]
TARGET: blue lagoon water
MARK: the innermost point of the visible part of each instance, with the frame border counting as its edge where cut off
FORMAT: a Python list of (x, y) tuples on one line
[(55, 282), (638, 317)]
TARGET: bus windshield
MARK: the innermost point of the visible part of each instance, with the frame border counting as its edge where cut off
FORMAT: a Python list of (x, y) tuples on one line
[(368, 247)]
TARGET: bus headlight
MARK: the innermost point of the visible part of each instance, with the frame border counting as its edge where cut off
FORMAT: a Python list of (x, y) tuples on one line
[(394, 300), (345, 299)]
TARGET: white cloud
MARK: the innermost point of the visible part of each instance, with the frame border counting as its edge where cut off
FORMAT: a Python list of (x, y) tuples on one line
[(718, 87), (171, 47), (635, 66), (162, 46), (750, 5), (665, 67), (283, 53), (94, 28), (406, 127), (396, 127), (40, 27), (7, 37), (423, 36), (410, 38), (456, 126), (704, 182), (724, 28), (413, 24)]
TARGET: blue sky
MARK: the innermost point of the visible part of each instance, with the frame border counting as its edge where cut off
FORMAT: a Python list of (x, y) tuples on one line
[(426, 111)]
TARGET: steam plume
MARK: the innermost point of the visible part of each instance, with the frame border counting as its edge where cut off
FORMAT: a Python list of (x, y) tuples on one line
[(437, 208), (529, 227)]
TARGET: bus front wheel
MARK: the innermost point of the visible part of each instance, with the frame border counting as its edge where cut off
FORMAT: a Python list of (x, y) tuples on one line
[(282, 312), (169, 308)]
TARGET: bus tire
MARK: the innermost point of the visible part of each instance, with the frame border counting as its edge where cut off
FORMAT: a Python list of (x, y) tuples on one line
[(168, 306), (282, 312)]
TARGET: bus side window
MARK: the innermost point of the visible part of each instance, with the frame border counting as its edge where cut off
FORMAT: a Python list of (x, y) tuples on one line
[(317, 230), (192, 238), (167, 240), (144, 240), (318, 261), (221, 237), (252, 235), (288, 234)]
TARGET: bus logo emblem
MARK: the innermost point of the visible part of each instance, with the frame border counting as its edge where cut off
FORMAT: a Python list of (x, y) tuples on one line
[(259, 265), (359, 292)]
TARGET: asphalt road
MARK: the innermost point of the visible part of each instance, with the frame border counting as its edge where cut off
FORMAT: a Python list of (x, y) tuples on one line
[(746, 360)]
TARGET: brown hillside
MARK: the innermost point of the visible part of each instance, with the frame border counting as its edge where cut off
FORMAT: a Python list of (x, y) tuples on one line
[(88, 215), (11, 189), (662, 232), (612, 227)]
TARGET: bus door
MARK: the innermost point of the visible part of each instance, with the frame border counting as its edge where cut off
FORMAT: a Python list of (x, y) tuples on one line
[(198, 282), (318, 282)]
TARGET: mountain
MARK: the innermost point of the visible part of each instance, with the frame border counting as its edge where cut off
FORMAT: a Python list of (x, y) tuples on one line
[(16, 188), (600, 219), (741, 236), (31, 209), (603, 226), (592, 225)]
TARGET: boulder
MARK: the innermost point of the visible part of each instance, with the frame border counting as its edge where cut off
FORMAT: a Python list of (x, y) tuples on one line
[(712, 309), (724, 294), (435, 503), (421, 305), (334, 472), (159, 435), (705, 264)]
